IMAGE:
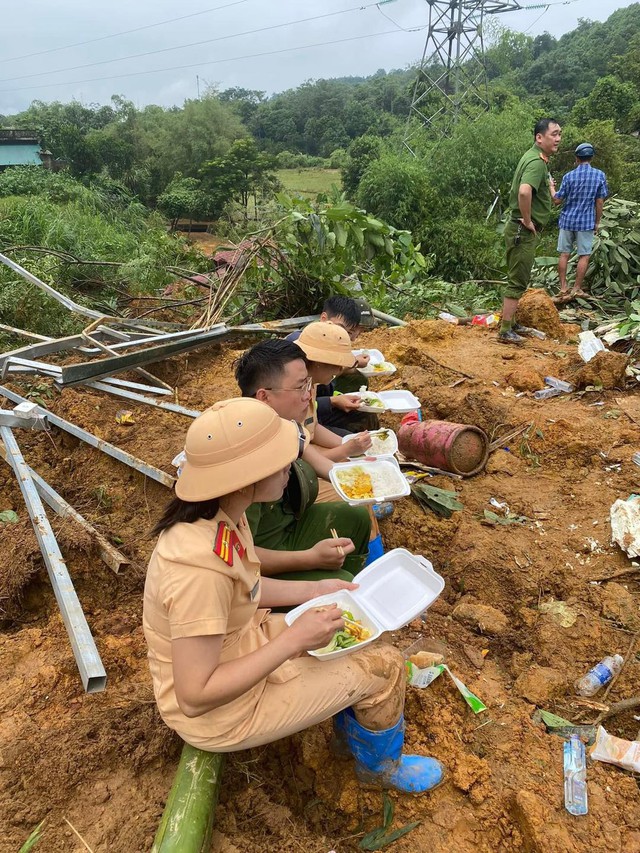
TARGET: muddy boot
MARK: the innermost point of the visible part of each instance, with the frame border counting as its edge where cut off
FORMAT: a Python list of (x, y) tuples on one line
[(508, 336), (379, 758), (338, 745), (376, 549)]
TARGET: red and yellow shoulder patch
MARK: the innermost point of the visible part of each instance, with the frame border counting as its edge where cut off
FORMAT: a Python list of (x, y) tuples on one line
[(226, 542)]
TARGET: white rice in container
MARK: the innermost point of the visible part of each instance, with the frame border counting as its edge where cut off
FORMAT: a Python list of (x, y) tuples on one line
[(382, 442)]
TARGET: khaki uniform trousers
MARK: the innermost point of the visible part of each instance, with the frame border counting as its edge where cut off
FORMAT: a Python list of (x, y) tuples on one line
[(372, 681)]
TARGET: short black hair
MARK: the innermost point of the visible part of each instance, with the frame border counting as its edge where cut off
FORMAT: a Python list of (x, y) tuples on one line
[(343, 306), (263, 364), (542, 125)]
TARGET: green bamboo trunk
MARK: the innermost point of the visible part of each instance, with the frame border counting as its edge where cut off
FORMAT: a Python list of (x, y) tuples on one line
[(187, 821)]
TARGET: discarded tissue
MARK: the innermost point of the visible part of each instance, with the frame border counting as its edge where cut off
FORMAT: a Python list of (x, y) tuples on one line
[(625, 525)]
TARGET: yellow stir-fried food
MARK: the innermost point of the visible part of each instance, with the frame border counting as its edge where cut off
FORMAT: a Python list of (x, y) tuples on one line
[(356, 484), (357, 630)]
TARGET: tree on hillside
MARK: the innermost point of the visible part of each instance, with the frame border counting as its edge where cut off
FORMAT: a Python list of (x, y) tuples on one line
[(241, 173), (185, 198), (610, 99), (360, 154)]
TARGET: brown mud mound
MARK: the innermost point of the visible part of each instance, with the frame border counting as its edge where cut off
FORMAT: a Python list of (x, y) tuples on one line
[(537, 311), (605, 370), (525, 379), (106, 761)]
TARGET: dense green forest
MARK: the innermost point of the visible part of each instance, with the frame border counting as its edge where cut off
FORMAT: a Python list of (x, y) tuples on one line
[(216, 157)]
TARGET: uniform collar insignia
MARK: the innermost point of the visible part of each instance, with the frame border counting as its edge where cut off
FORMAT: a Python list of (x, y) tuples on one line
[(226, 542)]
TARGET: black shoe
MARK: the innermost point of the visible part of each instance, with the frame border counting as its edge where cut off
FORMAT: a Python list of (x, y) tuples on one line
[(510, 337)]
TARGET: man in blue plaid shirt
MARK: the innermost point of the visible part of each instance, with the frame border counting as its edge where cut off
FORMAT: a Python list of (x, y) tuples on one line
[(582, 193)]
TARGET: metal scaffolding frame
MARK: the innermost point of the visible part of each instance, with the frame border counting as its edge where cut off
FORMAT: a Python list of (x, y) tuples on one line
[(451, 80)]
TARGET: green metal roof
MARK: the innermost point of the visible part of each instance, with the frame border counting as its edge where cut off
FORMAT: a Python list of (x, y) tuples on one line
[(20, 155)]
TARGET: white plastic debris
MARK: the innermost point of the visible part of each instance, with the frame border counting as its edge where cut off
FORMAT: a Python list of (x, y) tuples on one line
[(589, 345), (625, 525)]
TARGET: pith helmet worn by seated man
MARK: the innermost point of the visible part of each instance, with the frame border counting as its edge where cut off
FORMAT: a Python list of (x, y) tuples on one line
[(326, 343), (585, 149), (234, 444)]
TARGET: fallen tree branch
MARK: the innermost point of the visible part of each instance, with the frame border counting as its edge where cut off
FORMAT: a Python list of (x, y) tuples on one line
[(618, 708)]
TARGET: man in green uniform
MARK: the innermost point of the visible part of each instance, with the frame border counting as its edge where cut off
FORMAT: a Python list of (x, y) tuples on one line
[(296, 543), (530, 206)]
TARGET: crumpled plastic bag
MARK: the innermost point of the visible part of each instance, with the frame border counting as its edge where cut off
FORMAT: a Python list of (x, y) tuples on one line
[(625, 525), (616, 750)]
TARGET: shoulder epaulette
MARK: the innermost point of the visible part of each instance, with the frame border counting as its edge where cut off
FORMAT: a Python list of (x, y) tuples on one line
[(226, 542)]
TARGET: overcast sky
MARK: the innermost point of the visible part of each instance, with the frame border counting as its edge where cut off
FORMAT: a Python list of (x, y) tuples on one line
[(37, 39)]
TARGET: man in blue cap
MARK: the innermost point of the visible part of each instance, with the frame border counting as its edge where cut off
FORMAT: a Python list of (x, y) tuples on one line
[(582, 194)]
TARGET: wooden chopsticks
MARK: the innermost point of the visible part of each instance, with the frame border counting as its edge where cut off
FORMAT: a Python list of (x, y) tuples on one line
[(335, 536)]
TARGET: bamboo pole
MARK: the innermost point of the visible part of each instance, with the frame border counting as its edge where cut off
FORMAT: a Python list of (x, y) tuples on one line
[(187, 820)]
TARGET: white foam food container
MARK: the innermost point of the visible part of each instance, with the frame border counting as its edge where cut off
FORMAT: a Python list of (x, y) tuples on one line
[(375, 409), (380, 368), (383, 465), (399, 401), (392, 591), (391, 443), (375, 356)]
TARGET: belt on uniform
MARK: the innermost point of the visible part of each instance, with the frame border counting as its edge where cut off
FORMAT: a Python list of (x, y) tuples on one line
[(539, 228)]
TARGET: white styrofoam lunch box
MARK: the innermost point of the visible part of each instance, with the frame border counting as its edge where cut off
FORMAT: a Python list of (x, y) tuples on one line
[(393, 590), (384, 465), (392, 441), (375, 356), (363, 408), (380, 368), (399, 401)]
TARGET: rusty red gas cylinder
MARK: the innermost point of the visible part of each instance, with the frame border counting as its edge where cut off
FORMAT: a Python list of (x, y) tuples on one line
[(459, 448)]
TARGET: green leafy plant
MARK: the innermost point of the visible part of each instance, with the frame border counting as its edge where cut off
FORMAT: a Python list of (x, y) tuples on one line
[(34, 838), (381, 837), (8, 516), (39, 392)]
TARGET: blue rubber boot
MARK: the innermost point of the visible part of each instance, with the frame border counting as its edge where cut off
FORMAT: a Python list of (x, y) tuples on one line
[(338, 744), (376, 549), (379, 758)]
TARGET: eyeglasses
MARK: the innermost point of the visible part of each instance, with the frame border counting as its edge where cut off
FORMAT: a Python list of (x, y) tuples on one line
[(302, 438), (301, 389)]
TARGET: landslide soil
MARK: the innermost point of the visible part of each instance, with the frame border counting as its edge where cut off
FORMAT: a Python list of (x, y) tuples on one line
[(105, 762)]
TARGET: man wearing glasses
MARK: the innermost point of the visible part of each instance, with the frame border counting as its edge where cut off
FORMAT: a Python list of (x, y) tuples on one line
[(296, 543)]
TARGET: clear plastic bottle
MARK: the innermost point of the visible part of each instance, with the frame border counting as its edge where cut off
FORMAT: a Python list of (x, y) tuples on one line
[(545, 393), (575, 776), (560, 384), (599, 675)]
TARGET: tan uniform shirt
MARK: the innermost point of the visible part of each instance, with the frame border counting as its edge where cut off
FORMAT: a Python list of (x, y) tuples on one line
[(192, 592)]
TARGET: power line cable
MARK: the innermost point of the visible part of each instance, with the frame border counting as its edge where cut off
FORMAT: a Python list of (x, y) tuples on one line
[(191, 44), (124, 32), (211, 62)]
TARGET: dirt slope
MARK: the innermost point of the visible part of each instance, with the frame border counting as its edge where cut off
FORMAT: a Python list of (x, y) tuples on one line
[(105, 762)]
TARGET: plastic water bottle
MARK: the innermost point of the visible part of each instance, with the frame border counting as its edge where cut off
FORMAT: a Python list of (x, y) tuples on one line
[(545, 393), (560, 384), (575, 776), (599, 675)]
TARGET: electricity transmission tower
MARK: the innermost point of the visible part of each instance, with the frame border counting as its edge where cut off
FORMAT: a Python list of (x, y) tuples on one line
[(451, 80)]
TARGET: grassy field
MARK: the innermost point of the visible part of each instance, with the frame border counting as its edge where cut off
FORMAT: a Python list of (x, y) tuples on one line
[(309, 182)]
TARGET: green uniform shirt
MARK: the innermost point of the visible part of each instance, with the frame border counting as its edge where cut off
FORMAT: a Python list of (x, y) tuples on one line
[(532, 170)]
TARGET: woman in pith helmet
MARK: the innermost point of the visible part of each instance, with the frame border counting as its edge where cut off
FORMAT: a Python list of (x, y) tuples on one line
[(227, 673)]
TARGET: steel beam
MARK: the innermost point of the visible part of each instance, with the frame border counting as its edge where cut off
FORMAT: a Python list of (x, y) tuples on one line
[(135, 386), (140, 398), (92, 672), (110, 449), (74, 374), (109, 554)]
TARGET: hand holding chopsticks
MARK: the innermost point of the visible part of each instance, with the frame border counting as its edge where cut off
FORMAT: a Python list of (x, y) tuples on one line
[(335, 536)]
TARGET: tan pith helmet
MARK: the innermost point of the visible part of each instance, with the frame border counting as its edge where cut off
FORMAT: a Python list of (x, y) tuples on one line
[(326, 343), (234, 444)]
